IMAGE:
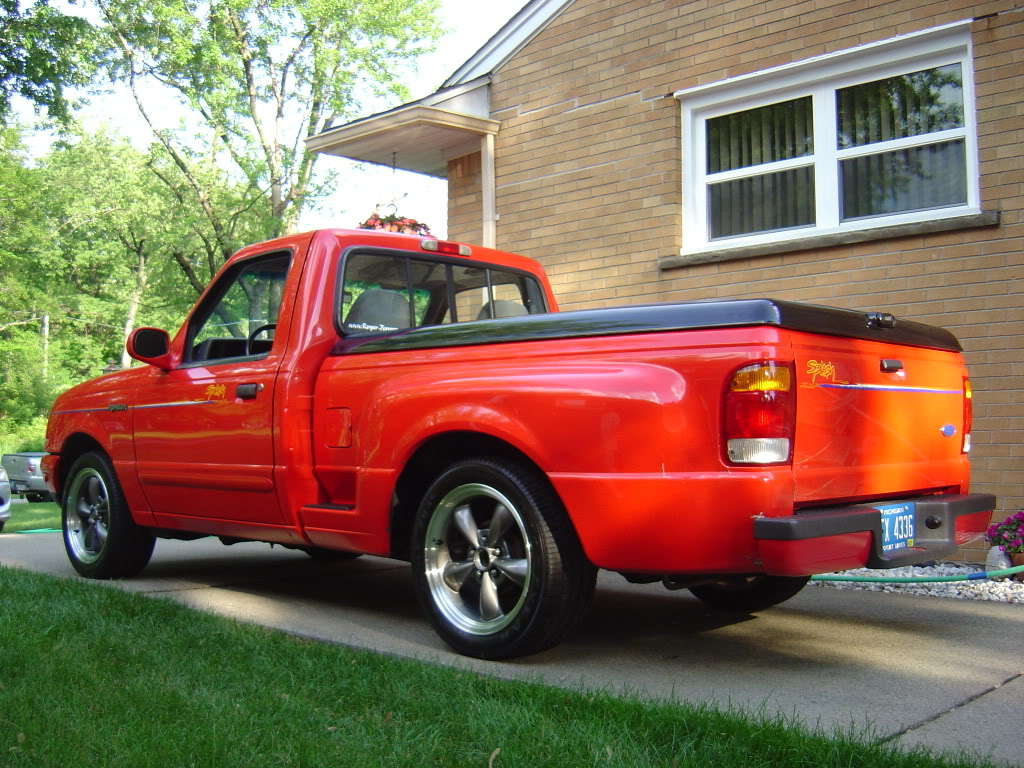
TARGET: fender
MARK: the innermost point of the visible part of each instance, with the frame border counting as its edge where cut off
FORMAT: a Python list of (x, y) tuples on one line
[(617, 406), (104, 416)]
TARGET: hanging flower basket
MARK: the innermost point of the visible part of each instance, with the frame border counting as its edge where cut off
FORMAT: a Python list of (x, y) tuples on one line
[(392, 222)]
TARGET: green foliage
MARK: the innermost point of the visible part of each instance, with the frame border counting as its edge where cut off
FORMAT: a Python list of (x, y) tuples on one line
[(42, 51), (91, 245)]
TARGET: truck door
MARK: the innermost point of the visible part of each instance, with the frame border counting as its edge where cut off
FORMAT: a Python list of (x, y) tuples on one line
[(204, 430)]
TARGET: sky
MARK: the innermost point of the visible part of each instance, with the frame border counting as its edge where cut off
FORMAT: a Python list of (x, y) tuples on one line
[(361, 186)]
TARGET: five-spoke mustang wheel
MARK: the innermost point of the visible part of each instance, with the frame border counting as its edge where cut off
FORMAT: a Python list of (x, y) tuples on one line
[(497, 565), (101, 539)]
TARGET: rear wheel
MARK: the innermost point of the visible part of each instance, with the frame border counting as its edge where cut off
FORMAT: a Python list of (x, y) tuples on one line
[(749, 593), (497, 566), (101, 539)]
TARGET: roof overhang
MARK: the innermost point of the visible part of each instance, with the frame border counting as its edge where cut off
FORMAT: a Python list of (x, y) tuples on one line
[(415, 137), (530, 21)]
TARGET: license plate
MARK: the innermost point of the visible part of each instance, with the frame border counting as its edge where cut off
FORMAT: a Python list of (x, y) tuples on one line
[(897, 526)]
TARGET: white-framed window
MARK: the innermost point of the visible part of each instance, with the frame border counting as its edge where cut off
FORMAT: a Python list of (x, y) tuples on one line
[(874, 136)]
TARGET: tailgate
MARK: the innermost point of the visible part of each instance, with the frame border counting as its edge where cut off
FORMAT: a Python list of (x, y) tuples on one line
[(17, 467), (876, 420)]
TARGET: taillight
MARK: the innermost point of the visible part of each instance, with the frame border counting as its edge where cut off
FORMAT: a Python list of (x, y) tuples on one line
[(968, 414), (759, 414), (31, 467)]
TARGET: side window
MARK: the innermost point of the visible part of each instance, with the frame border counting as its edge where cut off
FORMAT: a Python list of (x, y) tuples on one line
[(239, 318)]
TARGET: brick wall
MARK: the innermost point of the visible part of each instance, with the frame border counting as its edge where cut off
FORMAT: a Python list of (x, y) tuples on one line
[(589, 180), (465, 208)]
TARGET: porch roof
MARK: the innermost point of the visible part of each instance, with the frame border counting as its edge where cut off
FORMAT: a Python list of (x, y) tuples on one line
[(414, 137)]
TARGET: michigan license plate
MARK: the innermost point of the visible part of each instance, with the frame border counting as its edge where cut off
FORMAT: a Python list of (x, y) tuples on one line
[(897, 526)]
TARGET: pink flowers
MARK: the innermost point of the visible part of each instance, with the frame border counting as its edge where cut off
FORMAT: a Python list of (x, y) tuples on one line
[(395, 223), (1008, 535)]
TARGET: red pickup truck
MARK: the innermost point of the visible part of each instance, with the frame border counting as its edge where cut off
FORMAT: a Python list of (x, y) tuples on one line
[(346, 392)]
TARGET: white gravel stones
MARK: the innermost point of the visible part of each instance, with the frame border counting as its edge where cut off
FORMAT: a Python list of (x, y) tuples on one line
[(1003, 591)]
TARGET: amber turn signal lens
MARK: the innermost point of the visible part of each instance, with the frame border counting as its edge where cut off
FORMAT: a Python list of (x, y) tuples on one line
[(762, 377)]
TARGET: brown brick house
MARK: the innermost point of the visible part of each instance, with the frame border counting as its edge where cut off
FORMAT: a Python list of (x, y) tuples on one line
[(858, 153)]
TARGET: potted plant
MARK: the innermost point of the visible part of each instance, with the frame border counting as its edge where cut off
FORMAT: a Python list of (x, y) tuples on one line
[(1008, 537)]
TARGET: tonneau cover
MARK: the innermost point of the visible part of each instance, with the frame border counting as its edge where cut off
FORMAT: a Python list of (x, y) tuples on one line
[(870, 326)]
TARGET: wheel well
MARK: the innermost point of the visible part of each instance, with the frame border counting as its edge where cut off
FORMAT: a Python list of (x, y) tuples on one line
[(429, 460), (76, 445)]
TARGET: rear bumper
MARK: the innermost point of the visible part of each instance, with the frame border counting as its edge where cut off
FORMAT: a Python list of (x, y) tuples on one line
[(839, 538), (34, 484)]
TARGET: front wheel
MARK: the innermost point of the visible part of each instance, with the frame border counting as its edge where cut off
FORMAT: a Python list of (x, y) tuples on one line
[(497, 566), (749, 593), (101, 539)]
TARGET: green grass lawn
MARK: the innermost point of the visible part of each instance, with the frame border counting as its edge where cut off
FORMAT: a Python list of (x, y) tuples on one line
[(93, 675), (25, 517)]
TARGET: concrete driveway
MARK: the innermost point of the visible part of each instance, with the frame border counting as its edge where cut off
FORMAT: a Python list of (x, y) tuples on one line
[(947, 674)]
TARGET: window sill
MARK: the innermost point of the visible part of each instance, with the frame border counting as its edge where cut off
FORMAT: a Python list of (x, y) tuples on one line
[(814, 242)]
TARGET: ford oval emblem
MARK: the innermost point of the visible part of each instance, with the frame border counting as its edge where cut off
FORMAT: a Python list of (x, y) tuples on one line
[(949, 430)]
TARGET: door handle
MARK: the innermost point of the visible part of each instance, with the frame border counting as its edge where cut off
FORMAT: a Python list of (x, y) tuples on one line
[(248, 391)]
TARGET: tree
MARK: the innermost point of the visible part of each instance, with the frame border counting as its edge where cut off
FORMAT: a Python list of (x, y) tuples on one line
[(115, 228), (260, 77), (42, 51), (26, 387), (91, 241)]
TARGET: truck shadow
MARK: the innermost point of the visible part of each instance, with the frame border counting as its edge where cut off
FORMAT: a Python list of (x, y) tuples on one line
[(629, 628)]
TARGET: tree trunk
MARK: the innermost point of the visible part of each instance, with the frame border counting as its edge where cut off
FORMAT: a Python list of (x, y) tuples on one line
[(45, 331), (133, 305)]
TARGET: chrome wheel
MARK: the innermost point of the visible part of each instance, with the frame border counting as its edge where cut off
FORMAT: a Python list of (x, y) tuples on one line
[(497, 566), (87, 515), (100, 536), (477, 559)]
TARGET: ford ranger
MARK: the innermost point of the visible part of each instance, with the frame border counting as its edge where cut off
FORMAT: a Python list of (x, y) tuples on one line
[(347, 392)]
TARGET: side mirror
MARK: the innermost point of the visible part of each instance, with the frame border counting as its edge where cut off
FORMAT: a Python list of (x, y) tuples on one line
[(151, 346)]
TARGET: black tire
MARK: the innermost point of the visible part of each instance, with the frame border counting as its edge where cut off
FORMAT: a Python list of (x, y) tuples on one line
[(517, 592), (101, 539), (34, 498), (750, 593), (322, 554), (2, 526)]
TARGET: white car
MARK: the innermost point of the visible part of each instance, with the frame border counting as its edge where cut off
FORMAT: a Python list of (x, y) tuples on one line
[(5, 498)]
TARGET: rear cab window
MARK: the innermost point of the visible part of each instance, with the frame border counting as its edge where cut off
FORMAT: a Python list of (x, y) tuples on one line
[(387, 292)]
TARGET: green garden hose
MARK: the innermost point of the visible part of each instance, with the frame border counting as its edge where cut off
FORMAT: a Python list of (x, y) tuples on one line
[(922, 579)]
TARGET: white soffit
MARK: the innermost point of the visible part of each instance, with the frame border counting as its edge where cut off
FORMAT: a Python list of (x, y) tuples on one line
[(509, 40), (414, 137)]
